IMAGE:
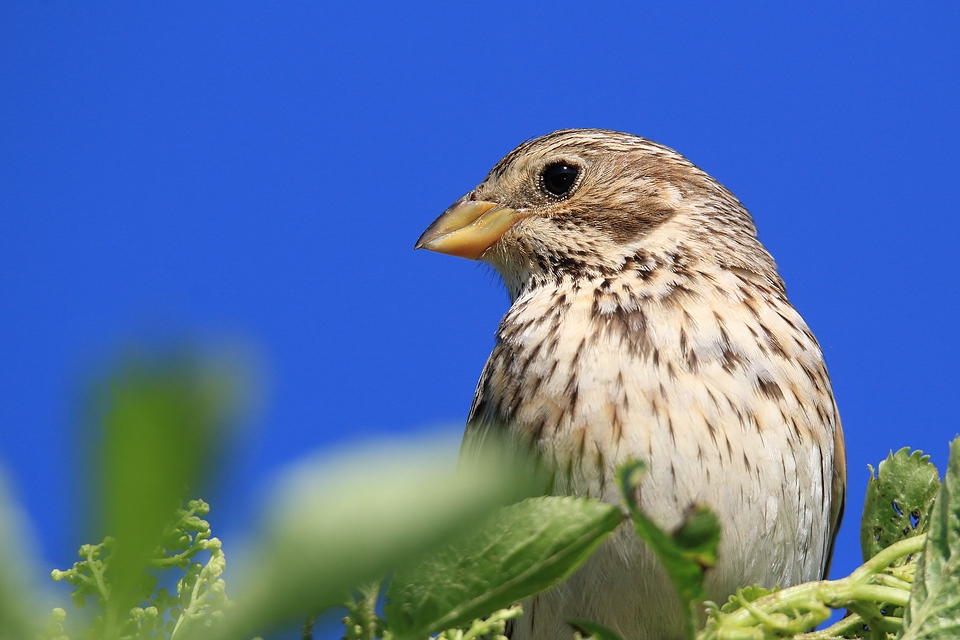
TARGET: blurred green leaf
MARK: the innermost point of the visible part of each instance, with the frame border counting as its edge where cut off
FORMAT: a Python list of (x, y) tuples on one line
[(898, 500), (158, 419), (338, 522), (686, 553), (520, 551), (934, 608), (590, 629), (19, 613)]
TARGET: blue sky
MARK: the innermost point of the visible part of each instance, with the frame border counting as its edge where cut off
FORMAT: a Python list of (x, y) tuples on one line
[(259, 173)]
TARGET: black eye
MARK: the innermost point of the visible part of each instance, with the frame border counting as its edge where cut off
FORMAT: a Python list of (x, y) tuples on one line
[(558, 178)]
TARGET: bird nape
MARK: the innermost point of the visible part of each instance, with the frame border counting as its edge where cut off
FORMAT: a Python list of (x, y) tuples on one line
[(649, 322)]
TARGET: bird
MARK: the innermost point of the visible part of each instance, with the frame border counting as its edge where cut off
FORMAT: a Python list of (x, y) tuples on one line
[(647, 321)]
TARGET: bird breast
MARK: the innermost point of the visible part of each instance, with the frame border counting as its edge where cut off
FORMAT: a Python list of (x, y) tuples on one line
[(708, 375)]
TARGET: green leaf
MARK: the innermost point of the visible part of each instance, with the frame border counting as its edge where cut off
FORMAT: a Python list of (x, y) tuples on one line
[(685, 553), (341, 521), (19, 611), (898, 500), (522, 550), (590, 629), (934, 607), (158, 419)]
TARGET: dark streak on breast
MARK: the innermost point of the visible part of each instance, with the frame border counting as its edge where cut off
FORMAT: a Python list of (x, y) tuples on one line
[(769, 388)]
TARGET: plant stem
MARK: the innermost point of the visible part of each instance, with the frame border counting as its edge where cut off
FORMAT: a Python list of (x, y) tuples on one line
[(98, 574), (488, 625), (892, 581), (792, 610), (307, 633), (361, 619), (195, 601), (186, 554), (835, 630), (887, 556)]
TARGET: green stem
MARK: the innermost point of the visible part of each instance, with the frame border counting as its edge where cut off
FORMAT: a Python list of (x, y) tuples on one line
[(791, 597), (887, 556), (892, 581), (196, 600), (111, 617), (98, 575), (361, 619), (188, 553), (875, 619), (307, 633), (487, 626), (861, 592), (904, 572), (836, 630), (192, 550), (872, 592)]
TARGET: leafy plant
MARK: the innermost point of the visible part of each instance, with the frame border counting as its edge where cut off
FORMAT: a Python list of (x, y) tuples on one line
[(461, 562), (899, 497), (200, 601), (686, 553), (933, 610), (460, 582), (522, 550), (323, 534)]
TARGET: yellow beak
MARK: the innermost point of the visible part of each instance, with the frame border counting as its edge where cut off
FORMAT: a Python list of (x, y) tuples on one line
[(468, 228)]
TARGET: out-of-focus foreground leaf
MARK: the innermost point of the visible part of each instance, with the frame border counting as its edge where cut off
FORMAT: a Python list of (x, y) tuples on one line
[(934, 607), (338, 522), (157, 419), (19, 613), (520, 551), (898, 500), (685, 553)]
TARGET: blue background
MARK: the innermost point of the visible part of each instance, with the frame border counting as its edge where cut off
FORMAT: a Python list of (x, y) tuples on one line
[(261, 173)]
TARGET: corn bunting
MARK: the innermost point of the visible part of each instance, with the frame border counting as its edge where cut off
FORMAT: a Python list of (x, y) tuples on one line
[(647, 321)]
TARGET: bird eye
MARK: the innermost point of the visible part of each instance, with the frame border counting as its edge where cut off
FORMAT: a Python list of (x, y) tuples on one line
[(558, 178)]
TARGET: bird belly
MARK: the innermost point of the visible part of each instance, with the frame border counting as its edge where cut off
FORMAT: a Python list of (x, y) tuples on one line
[(719, 417)]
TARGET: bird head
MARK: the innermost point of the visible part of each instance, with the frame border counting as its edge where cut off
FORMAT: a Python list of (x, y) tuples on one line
[(585, 202)]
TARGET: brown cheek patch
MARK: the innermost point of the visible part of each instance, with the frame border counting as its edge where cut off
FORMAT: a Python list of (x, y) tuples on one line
[(624, 224)]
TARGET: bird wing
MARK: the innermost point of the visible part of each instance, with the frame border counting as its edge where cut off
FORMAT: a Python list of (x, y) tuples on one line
[(838, 488)]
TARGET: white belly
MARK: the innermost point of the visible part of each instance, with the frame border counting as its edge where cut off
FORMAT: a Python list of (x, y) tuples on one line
[(723, 415)]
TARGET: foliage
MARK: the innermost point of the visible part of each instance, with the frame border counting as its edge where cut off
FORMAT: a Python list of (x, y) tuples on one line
[(898, 500), (686, 553), (323, 533), (327, 527), (933, 610), (200, 601), (893, 534), (21, 614), (520, 551), (875, 595), (461, 561)]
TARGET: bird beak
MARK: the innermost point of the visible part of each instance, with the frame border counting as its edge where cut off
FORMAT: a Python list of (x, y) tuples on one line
[(467, 228)]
